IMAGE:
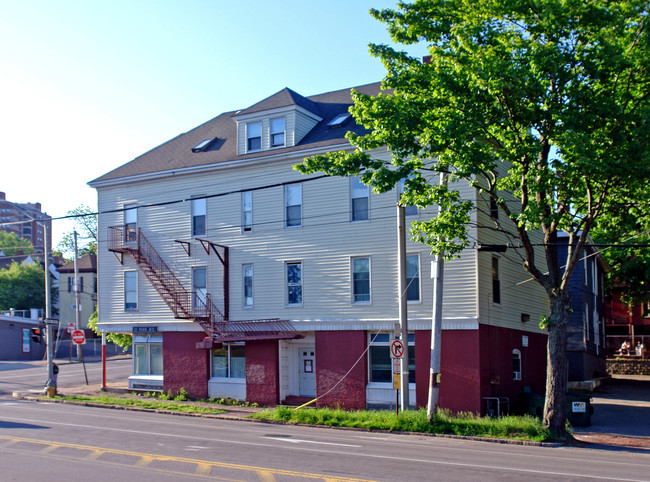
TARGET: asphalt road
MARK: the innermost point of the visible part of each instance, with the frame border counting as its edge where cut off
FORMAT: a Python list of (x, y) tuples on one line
[(49, 441), (17, 376)]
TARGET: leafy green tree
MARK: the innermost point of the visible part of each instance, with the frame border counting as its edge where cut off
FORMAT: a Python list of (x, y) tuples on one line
[(22, 286), (120, 339), (85, 219), (10, 244), (547, 100), (630, 265)]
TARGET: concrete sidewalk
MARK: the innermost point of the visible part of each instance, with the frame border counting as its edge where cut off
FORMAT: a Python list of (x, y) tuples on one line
[(621, 413)]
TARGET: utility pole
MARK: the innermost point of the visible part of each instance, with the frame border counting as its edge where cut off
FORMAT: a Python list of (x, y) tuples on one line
[(50, 386), (77, 294), (437, 272), (403, 309)]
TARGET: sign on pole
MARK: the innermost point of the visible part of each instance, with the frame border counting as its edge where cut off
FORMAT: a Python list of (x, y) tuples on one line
[(396, 349), (78, 337), (71, 327)]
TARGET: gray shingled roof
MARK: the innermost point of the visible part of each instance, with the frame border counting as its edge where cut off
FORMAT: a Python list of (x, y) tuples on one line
[(177, 152)]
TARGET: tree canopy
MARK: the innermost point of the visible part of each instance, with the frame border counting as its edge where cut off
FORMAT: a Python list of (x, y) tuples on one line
[(545, 100), (22, 286), (85, 219), (10, 244)]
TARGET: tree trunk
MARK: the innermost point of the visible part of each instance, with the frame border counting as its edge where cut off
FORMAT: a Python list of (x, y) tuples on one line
[(556, 365)]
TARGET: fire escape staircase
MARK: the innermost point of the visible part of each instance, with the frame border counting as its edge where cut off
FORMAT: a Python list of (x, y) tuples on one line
[(186, 304)]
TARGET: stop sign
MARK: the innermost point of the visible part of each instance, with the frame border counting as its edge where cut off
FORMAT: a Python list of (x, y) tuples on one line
[(78, 337)]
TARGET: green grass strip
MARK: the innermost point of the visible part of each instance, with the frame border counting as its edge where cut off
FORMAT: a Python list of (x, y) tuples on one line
[(509, 427), (152, 404)]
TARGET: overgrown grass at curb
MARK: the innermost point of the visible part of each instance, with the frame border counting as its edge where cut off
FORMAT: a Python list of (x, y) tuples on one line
[(510, 427), (152, 404)]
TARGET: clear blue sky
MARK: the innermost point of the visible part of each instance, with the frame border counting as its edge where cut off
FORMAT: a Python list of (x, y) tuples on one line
[(87, 85)]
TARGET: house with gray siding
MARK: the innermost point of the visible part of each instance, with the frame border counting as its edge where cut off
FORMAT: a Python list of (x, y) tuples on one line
[(240, 277)]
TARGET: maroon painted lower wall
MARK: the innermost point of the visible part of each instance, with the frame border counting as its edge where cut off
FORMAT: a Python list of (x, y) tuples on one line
[(184, 366), (459, 368), (497, 344), (336, 353), (262, 372)]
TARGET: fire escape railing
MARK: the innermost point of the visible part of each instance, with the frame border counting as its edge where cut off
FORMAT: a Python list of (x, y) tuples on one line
[(184, 303)]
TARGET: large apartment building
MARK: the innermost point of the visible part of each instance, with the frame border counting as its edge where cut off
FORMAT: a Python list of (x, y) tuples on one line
[(27, 221), (239, 277)]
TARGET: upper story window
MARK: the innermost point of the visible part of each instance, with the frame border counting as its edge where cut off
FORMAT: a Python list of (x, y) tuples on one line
[(253, 136), (496, 282), (130, 222), (360, 280), (293, 205), (277, 127), (247, 211), (413, 277), (358, 200), (199, 207), (130, 290), (494, 209), (408, 210), (247, 278), (294, 283), (199, 288)]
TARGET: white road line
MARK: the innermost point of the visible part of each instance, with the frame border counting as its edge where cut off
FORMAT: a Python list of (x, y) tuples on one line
[(538, 472), (299, 441)]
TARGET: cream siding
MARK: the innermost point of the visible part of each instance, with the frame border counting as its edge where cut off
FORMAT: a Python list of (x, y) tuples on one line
[(324, 244), (519, 293)]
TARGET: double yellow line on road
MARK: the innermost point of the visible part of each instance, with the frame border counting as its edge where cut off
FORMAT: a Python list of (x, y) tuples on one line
[(203, 467)]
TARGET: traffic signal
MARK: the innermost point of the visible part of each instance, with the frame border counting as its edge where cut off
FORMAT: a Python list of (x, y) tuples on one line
[(37, 335)]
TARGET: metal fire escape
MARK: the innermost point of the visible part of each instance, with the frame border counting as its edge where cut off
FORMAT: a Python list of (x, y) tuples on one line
[(186, 304)]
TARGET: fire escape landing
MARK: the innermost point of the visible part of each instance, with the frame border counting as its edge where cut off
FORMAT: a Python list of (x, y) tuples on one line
[(189, 305)]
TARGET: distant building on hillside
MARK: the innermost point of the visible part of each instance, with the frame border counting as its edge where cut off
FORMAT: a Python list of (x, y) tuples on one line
[(28, 222)]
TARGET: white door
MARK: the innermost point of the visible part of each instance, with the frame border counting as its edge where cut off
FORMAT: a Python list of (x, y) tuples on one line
[(307, 370)]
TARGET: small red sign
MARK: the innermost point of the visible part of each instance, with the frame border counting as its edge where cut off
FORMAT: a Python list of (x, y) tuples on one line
[(78, 337), (71, 327)]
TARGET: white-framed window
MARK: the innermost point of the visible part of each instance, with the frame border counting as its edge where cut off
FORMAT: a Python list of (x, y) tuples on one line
[(253, 136), (360, 280), (277, 127), (247, 285), (147, 355), (496, 281), (247, 211), (199, 287), (408, 210), (293, 205), (130, 290), (229, 361), (359, 201), (199, 207), (380, 369), (130, 222), (294, 283), (413, 277), (516, 364)]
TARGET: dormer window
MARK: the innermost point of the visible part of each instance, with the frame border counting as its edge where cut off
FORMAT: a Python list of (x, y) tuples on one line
[(277, 132), (253, 136)]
